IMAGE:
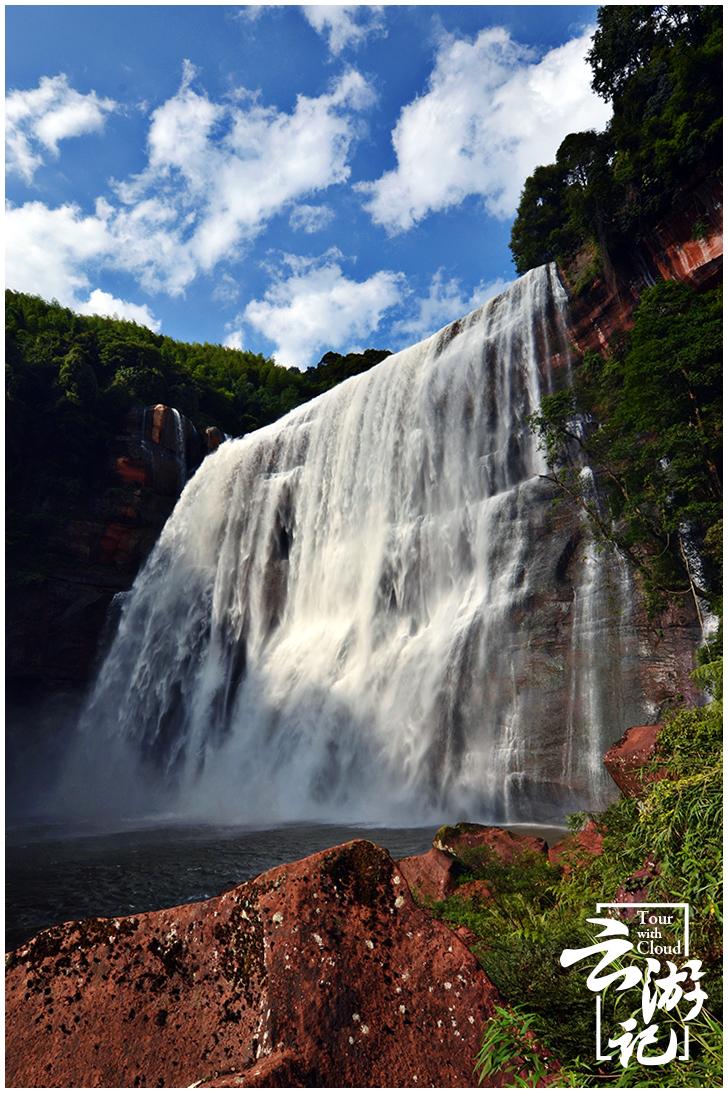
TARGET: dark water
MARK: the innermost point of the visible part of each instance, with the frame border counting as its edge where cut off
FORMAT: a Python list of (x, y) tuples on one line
[(53, 876)]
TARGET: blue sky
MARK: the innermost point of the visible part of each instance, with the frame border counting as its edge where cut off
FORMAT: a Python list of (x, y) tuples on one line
[(285, 179)]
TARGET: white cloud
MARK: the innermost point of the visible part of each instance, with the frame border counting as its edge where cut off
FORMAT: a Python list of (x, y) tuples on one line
[(216, 174), (491, 114), (345, 26), (37, 120), (103, 303), (49, 252), (445, 302), (234, 340), (310, 218), (226, 291), (317, 307)]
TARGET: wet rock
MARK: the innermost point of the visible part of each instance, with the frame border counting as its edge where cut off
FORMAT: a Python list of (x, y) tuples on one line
[(577, 849), (213, 437), (629, 760), (320, 973), (431, 876), (94, 549), (462, 839)]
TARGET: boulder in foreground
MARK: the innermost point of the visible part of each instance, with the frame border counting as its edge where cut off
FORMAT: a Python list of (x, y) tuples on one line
[(432, 875), (320, 973), (577, 849), (461, 840), (630, 760)]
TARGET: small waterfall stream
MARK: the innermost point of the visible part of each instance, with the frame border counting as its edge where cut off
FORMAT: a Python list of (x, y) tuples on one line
[(180, 447), (374, 609)]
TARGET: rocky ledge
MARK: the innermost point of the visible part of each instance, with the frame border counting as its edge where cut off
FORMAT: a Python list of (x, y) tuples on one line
[(320, 973)]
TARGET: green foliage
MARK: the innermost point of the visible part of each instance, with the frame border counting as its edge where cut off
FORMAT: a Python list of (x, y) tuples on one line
[(523, 927), (509, 1048), (648, 420), (77, 379), (661, 66)]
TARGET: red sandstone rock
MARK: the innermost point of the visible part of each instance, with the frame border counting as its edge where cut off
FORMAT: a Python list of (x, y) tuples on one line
[(669, 252), (505, 845), (431, 875), (131, 470), (213, 437), (319, 973), (627, 761), (636, 889), (476, 890), (575, 850), (466, 936)]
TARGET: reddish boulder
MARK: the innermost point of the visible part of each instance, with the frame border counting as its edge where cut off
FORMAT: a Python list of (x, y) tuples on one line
[(576, 850), (460, 839), (319, 973), (467, 936), (628, 760), (213, 437), (636, 889), (476, 890), (432, 875)]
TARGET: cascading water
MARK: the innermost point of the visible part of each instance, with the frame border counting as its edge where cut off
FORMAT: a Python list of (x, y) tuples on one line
[(374, 610), (180, 447)]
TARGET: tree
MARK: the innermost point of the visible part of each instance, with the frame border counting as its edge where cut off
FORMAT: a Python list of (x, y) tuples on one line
[(627, 37), (77, 379)]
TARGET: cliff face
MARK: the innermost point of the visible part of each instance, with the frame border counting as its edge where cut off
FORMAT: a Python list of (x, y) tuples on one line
[(55, 624), (686, 246)]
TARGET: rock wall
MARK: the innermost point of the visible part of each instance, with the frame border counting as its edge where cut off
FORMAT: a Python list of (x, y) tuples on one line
[(55, 626), (686, 246)]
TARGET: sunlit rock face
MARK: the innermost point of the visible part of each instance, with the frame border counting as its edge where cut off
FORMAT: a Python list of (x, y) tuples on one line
[(377, 609), (319, 974)]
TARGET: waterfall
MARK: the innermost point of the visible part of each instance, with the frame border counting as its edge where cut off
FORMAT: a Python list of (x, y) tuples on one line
[(374, 608), (180, 447)]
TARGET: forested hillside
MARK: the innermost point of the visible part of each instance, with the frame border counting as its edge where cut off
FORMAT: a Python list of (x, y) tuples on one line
[(71, 379)]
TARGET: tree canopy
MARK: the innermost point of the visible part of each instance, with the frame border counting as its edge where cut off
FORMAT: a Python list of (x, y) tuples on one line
[(661, 68)]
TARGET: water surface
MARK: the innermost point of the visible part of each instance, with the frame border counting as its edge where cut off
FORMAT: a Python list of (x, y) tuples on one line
[(53, 875)]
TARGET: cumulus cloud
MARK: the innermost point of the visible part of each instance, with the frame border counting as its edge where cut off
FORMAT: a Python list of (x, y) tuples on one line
[(103, 303), (49, 252), (216, 174), (234, 340), (38, 119), (345, 26), (445, 301), (492, 113), (312, 306), (310, 218)]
